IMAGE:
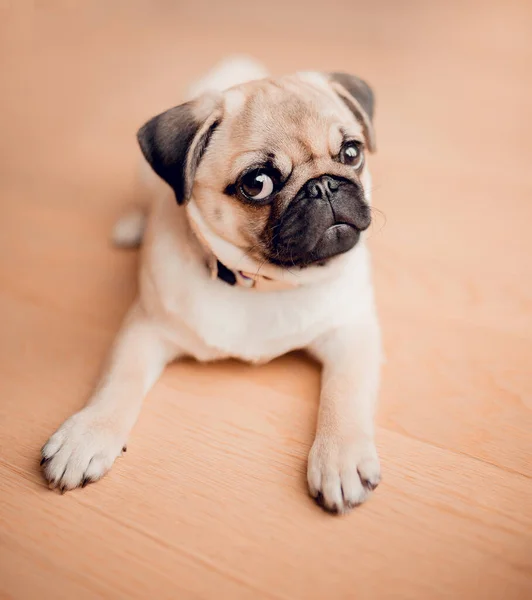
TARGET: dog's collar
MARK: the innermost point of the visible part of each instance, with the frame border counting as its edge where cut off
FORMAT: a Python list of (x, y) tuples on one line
[(247, 279)]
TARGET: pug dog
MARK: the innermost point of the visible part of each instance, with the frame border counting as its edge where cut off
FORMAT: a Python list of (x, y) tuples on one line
[(254, 247)]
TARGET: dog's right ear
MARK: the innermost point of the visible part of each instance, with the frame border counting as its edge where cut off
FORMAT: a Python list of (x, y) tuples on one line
[(175, 141)]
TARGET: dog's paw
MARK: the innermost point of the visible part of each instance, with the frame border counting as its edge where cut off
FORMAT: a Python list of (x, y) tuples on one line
[(81, 451), (342, 473)]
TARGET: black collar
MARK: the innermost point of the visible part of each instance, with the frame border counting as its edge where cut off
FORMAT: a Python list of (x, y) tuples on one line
[(225, 274)]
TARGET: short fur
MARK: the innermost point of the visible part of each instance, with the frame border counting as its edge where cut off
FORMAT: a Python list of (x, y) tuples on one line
[(197, 152)]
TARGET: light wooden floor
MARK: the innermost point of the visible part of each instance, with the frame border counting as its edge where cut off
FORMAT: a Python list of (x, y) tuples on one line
[(210, 500)]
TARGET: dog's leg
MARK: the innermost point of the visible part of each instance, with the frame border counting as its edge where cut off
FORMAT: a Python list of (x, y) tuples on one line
[(343, 465), (84, 448)]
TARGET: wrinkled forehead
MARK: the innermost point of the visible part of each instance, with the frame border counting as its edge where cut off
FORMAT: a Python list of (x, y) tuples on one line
[(288, 116)]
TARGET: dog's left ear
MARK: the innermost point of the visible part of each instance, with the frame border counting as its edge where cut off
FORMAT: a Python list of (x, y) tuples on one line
[(175, 141), (358, 97)]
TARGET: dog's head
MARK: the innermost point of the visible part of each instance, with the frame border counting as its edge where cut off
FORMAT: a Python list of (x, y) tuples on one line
[(276, 167)]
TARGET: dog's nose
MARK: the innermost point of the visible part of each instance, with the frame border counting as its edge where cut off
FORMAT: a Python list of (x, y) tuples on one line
[(321, 187)]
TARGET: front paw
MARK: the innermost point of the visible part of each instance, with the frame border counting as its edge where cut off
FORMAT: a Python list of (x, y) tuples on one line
[(81, 451), (342, 472)]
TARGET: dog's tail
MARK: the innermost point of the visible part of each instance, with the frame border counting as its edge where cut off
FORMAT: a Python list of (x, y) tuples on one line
[(129, 229)]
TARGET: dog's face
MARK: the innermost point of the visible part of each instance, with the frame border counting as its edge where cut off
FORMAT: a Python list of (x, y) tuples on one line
[(276, 166)]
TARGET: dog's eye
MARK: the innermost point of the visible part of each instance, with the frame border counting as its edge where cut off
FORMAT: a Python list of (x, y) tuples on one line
[(258, 184), (351, 154)]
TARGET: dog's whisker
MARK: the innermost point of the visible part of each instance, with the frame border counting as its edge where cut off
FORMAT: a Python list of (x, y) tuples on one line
[(260, 267), (380, 213), (247, 254)]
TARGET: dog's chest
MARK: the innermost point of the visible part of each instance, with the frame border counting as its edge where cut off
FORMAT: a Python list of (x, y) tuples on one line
[(216, 320), (254, 326)]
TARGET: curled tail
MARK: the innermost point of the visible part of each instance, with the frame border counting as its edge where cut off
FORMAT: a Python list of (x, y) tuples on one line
[(129, 229)]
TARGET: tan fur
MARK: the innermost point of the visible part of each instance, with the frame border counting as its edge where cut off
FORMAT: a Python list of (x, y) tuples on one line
[(297, 122)]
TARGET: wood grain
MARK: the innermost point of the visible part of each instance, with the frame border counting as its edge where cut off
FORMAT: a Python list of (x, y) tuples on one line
[(210, 499)]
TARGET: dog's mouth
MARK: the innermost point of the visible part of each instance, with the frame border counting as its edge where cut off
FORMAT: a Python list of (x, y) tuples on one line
[(337, 239)]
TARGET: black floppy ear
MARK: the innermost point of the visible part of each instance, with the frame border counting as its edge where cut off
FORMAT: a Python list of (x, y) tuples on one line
[(359, 98), (174, 142)]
